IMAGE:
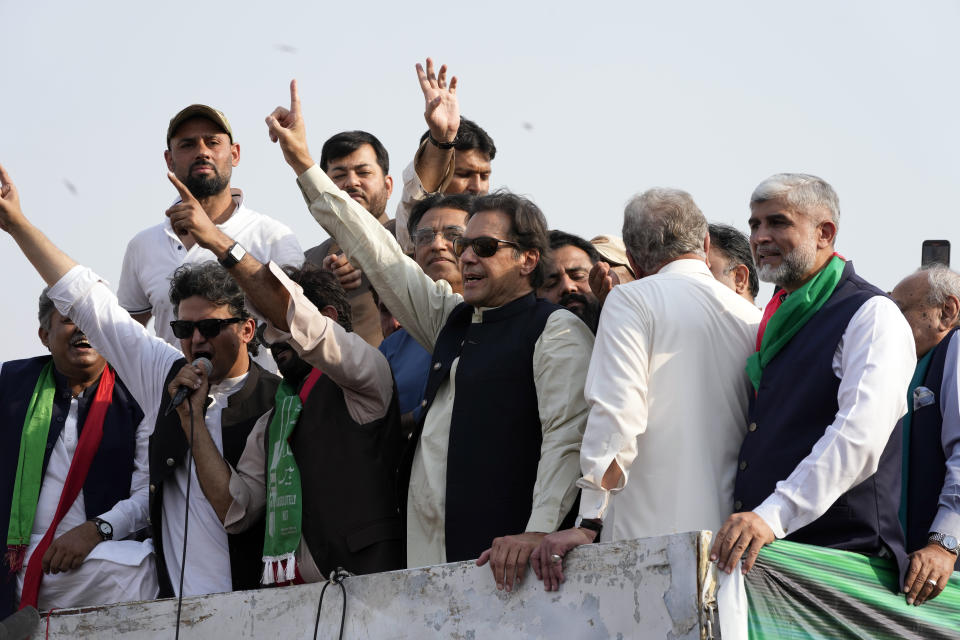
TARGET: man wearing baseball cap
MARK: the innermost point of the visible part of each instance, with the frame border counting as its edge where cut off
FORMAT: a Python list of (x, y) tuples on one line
[(201, 152)]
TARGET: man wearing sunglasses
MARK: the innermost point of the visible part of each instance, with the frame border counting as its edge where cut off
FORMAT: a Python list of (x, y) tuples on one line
[(219, 414), (494, 459)]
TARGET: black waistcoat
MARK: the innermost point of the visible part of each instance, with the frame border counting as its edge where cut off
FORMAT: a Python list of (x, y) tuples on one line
[(495, 430), (108, 480), (928, 462), (348, 477), (168, 449), (795, 403)]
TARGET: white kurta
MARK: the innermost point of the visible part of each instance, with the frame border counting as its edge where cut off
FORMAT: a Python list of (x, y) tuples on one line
[(668, 399)]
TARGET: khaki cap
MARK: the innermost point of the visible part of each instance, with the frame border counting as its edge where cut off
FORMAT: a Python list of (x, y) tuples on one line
[(613, 251), (199, 111)]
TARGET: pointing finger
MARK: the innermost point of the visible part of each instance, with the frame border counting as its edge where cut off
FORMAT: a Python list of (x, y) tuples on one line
[(4, 177), (453, 85), (294, 98), (185, 194)]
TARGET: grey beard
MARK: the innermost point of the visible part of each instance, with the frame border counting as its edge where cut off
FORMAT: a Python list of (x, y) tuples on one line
[(793, 267)]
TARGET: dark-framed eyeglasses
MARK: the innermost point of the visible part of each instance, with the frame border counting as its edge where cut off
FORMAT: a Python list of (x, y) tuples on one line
[(484, 246), (208, 328), (424, 237)]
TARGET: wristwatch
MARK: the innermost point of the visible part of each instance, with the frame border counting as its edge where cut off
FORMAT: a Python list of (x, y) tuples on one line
[(234, 255), (104, 528), (948, 542), (588, 523)]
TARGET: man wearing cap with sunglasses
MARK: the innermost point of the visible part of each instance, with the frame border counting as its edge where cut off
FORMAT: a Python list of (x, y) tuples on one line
[(201, 152), (494, 458), (226, 401)]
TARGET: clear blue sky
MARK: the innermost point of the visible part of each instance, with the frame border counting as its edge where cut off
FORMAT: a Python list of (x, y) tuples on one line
[(709, 97)]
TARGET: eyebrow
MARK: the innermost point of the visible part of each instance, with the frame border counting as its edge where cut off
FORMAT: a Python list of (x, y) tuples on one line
[(344, 167)]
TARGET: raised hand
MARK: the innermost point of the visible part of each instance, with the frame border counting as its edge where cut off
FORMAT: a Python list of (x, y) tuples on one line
[(287, 127), (349, 276), (189, 217), (441, 110), (9, 201), (602, 280)]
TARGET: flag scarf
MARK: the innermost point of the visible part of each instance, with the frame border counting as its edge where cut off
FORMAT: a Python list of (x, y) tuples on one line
[(284, 498), (30, 464), (786, 315)]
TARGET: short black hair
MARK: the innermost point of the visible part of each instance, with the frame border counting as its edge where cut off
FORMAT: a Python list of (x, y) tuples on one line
[(211, 282), (563, 239), (346, 142), (735, 247), (528, 226), (322, 289), (461, 201), (470, 135)]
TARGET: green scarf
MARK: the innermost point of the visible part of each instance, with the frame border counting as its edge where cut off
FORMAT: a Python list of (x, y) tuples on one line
[(284, 497), (33, 444), (792, 315)]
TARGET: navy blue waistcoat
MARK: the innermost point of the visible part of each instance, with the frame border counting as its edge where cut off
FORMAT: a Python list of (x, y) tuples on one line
[(495, 430), (928, 461), (795, 403), (108, 480)]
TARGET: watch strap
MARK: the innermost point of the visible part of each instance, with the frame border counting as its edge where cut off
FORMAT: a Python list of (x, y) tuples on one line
[(233, 256)]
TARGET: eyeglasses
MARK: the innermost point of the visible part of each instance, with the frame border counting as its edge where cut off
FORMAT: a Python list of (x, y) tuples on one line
[(484, 246), (424, 237), (209, 328)]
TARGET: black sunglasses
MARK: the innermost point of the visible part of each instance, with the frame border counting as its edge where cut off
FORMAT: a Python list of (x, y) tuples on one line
[(209, 328), (484, 246)]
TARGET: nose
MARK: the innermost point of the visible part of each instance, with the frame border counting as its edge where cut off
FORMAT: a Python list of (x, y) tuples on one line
[(352, 179), (468, 256), (475, 184), (438, 243), (568, 285)]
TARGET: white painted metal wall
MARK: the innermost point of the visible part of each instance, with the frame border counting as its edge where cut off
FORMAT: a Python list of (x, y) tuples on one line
[(651, 588)]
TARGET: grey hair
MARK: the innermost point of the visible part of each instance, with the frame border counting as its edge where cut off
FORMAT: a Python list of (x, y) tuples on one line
[(45, 314), (801, 191), (944, 282), (661, 224)]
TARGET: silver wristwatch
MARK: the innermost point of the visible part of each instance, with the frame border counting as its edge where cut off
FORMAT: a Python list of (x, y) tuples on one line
[(948, 542), (233, 256)]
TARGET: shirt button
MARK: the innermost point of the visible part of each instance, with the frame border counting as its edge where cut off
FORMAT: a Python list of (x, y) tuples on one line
[(153, 488), (59, 418), (171, 462), (409, 436), (436, 366), (738, 505), (179, 247), (752, 427), (423, 403), (743, 465)]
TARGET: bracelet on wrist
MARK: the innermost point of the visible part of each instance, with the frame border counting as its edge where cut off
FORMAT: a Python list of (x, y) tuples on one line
[(441, 145)]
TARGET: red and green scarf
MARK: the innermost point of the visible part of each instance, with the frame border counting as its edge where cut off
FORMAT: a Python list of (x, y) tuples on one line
[(29, 478), (785, 315)]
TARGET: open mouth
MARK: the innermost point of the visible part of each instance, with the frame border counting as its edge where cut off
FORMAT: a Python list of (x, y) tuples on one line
[(80, 342)]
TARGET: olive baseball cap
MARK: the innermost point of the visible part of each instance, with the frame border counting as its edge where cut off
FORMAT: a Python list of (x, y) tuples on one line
[(199, 111)]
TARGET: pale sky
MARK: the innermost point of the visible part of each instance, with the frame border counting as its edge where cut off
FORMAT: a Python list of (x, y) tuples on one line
[(705, 96)]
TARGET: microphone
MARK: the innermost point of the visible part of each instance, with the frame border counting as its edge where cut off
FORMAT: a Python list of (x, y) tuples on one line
[(184, 390), (20, 625)]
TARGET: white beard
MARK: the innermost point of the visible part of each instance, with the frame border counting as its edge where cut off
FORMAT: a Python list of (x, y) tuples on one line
[(793, 266)]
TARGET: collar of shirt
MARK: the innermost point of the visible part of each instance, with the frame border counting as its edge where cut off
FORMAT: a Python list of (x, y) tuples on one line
[(686, 265), (223, 390)]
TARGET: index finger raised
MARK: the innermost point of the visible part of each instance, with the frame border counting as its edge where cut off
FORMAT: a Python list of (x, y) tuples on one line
[(4, 177), (294, 97), (185, 194)]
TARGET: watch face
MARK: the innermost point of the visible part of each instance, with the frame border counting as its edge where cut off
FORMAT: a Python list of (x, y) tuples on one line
[(105, 529), (950, 543)]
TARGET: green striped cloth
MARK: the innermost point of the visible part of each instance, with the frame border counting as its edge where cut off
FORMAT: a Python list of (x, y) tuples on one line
[(803, 591)]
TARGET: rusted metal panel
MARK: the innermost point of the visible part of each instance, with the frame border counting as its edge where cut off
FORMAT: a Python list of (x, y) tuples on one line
[(651, 588)]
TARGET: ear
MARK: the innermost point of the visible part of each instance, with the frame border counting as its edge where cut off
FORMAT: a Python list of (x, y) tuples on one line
[(44, 336), (826, 233), (235, 153), (633, 265), (529, 259), (388, 181), (741, 279), (949, 313), (169, 158), (247, 329), (331, 312), (706, 249)]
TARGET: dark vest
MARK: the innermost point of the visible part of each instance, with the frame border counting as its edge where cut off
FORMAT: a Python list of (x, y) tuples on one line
[(795, 403), (108, 480), (927, 458), (168, 449), (348, 475), (495, 430)]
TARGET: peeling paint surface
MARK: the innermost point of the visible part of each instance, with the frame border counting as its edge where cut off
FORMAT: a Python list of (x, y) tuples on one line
[(650, 588)]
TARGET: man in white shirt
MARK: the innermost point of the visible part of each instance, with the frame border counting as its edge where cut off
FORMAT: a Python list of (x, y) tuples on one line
[(666, 389), (201, 152), (213, 323), (820, 463), (88, 558), (495, 456)]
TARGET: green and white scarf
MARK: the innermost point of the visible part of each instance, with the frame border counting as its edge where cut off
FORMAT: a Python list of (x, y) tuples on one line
[(783, 318), (284, 492)]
